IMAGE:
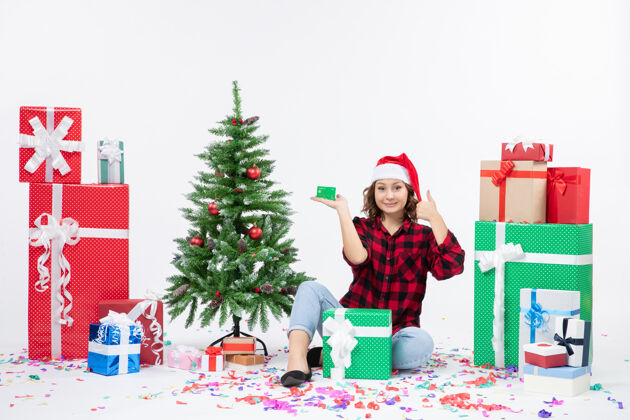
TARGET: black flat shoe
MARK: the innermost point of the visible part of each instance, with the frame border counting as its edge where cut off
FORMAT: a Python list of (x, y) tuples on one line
[(313, 356), (295, 378)]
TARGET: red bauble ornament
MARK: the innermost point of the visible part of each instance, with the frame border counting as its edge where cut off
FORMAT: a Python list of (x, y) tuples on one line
[(257, 289), (253, 172), (218, 293), (196, 241), (212, 208), (255, 232), (283, 290)]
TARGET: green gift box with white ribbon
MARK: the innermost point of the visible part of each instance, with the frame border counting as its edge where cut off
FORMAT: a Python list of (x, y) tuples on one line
[(111, 162), (357, 343), (514, 256)]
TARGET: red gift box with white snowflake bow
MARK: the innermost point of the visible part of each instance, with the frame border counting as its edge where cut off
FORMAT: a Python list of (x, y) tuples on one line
[(79, 256), (50, 145), (150, 313), (527, 150)]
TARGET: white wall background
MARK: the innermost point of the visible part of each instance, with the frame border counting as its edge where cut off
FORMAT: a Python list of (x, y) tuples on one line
[(337, 85)]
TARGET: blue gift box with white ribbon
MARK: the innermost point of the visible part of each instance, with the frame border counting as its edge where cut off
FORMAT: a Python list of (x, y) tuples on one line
[(114, 347), (539, 310)]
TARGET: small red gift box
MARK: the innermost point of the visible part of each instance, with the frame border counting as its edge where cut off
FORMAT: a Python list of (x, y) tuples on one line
[(239, 345), (50, 145), (525, 150), (150, 313), (545, 355), (568, 195), (81, 230), (212, 360)]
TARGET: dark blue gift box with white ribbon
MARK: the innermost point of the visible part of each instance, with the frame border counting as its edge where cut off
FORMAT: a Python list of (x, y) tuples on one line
[(114, 349)]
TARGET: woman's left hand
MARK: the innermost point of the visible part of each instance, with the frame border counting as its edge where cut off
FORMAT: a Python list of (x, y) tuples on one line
[(426, 209)]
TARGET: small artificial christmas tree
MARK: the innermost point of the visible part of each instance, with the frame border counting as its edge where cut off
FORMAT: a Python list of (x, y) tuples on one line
[(236, 260)]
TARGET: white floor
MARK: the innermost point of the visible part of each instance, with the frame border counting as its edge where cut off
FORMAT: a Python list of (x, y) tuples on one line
[(30, 390)]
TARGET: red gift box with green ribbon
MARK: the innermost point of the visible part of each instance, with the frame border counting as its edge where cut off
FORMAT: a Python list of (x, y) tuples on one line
[(568, 195)]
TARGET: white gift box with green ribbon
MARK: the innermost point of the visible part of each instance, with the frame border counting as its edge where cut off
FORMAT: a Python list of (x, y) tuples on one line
[(111, 162), (357, 343)]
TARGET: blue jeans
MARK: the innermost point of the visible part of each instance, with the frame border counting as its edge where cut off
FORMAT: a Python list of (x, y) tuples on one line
[(411, 346)]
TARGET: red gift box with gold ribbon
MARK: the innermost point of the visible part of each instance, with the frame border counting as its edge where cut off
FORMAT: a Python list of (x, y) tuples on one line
[(50, 145), (79, 255), (513, 191), (568, 195)]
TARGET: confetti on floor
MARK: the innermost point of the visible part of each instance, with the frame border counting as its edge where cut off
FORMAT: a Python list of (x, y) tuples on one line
[(449, 385)]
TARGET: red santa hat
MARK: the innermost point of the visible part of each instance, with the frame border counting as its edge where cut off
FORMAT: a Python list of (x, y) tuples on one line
[(397, 167)]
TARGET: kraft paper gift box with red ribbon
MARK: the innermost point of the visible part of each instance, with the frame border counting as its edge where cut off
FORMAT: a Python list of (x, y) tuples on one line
[(513, 191), (79, 256), (244, 362), (527, 150), (545, 355), (239, 345), (184, 357), (149, 312), (212, 360), (539, 309), (575, 335), (566, 381), (111, 162), (114, 345), (50, 145), (568, 195)]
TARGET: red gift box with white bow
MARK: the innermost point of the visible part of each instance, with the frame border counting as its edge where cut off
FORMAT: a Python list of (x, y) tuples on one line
[(527, 150), (79, 256), (50, 145), (150, 313), (568, 195)]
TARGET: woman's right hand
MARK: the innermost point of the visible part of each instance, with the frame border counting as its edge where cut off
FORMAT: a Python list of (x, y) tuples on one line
[(340, 203)]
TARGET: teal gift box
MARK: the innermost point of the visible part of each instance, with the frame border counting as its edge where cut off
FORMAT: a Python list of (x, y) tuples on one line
[(357, 343), (111, 162)]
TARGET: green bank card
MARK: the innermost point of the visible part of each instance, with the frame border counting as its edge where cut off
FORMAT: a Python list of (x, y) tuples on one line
[(326, 192)]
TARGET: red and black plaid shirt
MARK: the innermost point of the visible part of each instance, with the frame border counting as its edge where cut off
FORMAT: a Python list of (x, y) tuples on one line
[(394, 275)]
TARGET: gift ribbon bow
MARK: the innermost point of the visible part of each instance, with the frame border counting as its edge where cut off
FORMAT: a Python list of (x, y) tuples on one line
[(536, 317), (499, 176), (492, 259), (342, 340), (213, 351), (559, 181), (49, 145), (53, 236), (526, 144), (110, 150), (151, 303), (566, 342)]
